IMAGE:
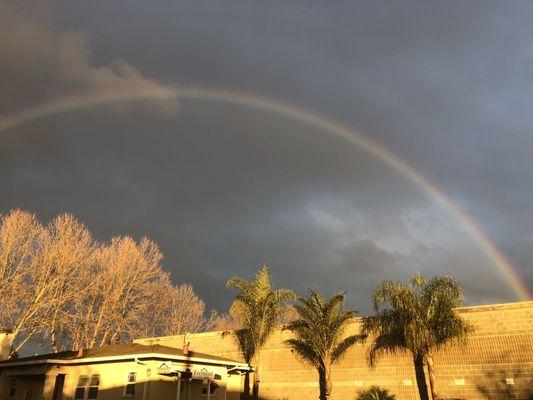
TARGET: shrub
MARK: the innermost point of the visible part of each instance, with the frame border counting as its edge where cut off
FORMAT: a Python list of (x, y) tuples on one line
[(376, 393)]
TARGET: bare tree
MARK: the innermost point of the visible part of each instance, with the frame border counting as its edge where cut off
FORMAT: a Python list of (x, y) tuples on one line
[(20, 240), (222, 322), (186, 312), (67, 252), (125, 283), (59, 285)]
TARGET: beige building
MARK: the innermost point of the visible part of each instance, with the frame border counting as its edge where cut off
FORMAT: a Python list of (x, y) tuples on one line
[(496, 363), (126, 371)]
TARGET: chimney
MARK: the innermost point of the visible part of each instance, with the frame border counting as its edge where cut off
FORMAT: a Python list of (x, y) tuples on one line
[(80, 352), (6, 343), (186, 348)]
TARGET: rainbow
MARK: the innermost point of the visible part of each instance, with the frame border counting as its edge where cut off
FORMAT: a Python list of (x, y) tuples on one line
[(82, 102), (505, 269)]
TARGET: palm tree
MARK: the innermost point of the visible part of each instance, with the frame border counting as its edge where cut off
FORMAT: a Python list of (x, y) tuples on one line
[(258, 308), (319, 334), (418, 317), (376, 393)]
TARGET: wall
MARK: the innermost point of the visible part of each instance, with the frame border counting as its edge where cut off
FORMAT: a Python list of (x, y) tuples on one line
[(496, 362), (113, 376)]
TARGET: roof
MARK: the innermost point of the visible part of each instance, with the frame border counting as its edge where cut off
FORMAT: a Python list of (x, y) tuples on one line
[(120, 352)]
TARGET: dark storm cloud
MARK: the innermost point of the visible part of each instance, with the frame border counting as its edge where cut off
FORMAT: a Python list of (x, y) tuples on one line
[(224, 189), (182, 182), (39, 63)]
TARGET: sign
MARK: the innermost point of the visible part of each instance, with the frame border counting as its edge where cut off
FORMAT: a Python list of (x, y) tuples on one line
[(165, 369), (202, 374)]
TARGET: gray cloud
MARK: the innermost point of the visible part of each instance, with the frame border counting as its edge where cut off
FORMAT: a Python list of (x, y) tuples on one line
[(40, 64), (225, 189)]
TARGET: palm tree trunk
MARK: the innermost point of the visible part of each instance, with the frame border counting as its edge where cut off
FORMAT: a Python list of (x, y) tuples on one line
[(328, 385), (432, 380), (246, 392), (322, 382), (421, 378), (255, 389)]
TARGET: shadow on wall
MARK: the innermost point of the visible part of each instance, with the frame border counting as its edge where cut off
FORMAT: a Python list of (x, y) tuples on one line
[(166, 390), (494, 385), (505, 384), (35, 388)]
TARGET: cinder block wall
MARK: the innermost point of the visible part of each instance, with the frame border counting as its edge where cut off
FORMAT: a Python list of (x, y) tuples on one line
[(496, 362)]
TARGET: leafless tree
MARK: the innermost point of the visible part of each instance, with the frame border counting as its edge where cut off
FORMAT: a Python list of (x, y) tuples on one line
[(125, 281), (221, 322), (20, 240), (185, 312), (67, 253), (60, 286)]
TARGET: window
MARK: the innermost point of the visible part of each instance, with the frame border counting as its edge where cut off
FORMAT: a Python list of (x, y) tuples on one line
[(129, 389), (212, 389), (94, 383), (80, 388), (87, 385), (12, 387)]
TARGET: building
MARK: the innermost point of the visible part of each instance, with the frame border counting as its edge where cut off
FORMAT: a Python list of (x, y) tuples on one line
[(496, 363), (127, 371)]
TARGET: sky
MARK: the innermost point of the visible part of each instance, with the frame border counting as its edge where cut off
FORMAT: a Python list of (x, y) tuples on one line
[(225, 188)]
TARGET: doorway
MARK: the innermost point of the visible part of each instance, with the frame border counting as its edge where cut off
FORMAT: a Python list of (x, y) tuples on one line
[(58, 387), (185, 389)]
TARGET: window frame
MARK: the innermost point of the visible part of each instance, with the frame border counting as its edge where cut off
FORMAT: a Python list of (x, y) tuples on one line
[(91, 385), (130, 384), (88, 386), (209, 388), (84, 387)]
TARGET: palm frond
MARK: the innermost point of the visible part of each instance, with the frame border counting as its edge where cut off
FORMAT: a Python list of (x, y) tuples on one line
[(320, 327), (245, 343), (419, 317), (259, 307), (304, 350), (376, 393), (384, 344), (340, 349), (237, 282)]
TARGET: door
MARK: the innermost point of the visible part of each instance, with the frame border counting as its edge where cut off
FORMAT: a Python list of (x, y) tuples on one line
[(185, 389), (58, 387)]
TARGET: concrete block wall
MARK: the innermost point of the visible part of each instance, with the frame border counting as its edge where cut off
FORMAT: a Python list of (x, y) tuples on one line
[(496, 362)]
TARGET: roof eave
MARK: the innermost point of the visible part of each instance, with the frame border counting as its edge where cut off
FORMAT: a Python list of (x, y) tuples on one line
[(129, 357)]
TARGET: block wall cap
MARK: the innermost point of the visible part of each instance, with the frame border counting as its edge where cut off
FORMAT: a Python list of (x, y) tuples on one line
[(501, 306)]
